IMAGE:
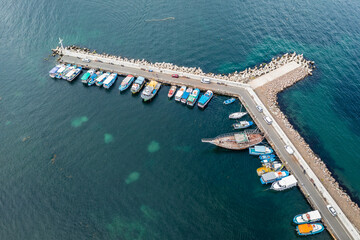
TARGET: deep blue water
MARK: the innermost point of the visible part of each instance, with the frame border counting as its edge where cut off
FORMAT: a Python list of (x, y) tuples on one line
[(81, 163)]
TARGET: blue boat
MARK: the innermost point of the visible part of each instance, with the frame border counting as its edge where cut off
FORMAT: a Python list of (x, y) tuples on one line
[(100, 80), (54, 70), (229, 101), (126, 83), (309, 229), (266, 156), (109, 81), (205, 99), (93, 78), (269, 160), (259, 150), (138, 84), (62, 70), (193, 97), (186, 94), (271, 177), (242, 124)]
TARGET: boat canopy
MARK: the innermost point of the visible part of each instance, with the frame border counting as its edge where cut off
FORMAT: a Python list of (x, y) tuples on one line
[(314, 214), (269, 176), (260, 148), (153, 84), (54, 69), (70, 73), (140, 80), (241, 137), (305, 228)]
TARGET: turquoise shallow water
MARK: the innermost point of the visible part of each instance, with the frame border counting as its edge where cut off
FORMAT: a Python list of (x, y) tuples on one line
[(81, 163)]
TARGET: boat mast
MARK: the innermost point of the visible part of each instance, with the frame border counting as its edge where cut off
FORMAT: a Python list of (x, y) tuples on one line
[(61, 43)]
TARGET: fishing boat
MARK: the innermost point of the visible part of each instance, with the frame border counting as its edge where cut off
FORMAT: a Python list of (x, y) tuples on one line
[(309, 217), (285, 183), (236, 141), (171, 91), (205, 99), (193, 97), (270, 160), (186, 94), (93, 77), (62, 71), (179, 93), (273, 176), (264, 169), (266, 156), (137, 85), (109, 81), (237, 115), (150, 90), (126, 83), (242, 124), (309, 229), (53, 71), (100, 80), (276, 165), (229, 101), (72, 74), (68, 69), (259, 150), (86, 77)]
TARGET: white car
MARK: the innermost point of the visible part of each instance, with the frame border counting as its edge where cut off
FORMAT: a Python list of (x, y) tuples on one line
[(289, 149), (332, 210), (86, 60), (268, 120), (259, 108), (205, 80)]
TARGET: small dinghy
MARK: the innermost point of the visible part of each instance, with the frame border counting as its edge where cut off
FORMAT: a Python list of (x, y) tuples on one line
[(229, 101), (242, 124), (237, 115), (266, 156)]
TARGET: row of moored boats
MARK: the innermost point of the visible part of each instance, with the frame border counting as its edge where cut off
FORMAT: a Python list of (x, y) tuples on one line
[(189, 96)]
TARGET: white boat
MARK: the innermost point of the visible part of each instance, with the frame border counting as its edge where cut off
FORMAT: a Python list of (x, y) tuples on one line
[(109, 81), (285, 183), (237, 115), (309, 217), (179, 93)]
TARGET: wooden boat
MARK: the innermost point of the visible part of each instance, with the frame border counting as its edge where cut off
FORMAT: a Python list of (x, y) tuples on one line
[(171, 91), (236, 141)]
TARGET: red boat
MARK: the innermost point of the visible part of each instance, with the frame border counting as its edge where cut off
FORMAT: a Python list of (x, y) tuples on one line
[(172, 91), (175, 76)]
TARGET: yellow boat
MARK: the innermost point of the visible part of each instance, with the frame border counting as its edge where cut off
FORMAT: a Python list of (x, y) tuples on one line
[(262, 170)]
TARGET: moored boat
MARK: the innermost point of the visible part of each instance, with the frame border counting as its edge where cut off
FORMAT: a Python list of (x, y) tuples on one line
[(205, 99), (126, 82), (242, 124), (100, 80), (276, 166), (266, 156), (229, 101), (53, 71), (264, 169), (109, 81), (62, 70), (69, 68), (285, 183), (86, 77), (309, 229), (172, 91), (137, 85), (150, 90), (72, 74), (309, 217), (237, 115), (93, 77), (270, 160), (273, 176), (186, 94), (236, 141), (259, 150), (179, 93), (193, 97)]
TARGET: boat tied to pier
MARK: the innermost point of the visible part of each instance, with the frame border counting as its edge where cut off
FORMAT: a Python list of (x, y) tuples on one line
[(73, 73), (93, 77), (185, 95), (126, 82), (100, 79), (53, 71), (309, 217), (229, 101), (179, 93), (109, 81), (205, 99), (309, 229), (150, 90), (193, 97), (171, 92), (236, 141), (285, 183), (273, 176), (137, 85), (260, 150), (85, 78), (242, 124)]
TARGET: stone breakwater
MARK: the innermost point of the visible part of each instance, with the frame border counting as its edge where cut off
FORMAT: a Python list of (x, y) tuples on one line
[(268, 95), (241, 77)]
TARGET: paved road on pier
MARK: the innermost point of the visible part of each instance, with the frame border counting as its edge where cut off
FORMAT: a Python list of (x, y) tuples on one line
[(272, 135)]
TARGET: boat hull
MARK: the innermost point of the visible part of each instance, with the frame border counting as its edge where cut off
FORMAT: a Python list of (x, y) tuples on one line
[(319, 229)]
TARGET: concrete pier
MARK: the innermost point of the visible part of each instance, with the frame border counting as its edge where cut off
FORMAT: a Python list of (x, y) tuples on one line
[(241, 85)]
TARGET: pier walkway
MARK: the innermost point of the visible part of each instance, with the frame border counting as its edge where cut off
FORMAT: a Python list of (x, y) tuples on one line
[(313, 189)]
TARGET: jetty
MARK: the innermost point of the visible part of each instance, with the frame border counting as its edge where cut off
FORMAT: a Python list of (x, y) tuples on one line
[(245, 85)]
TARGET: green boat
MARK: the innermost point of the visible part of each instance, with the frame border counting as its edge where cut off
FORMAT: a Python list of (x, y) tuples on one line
[(86, 76)]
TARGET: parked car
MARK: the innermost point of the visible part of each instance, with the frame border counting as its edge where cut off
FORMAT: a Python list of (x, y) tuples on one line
[(259, 108), (175, 76), (86, 60), (205, 80), (268, 120), (332, 210), (289, 149)]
